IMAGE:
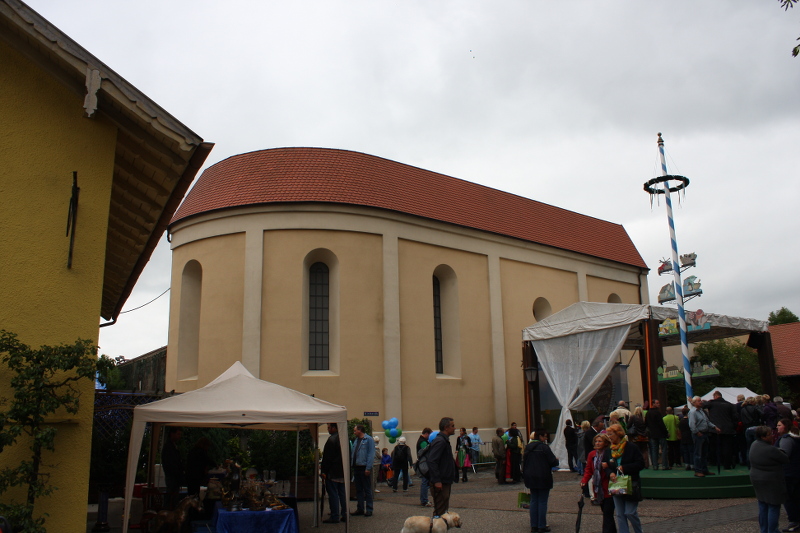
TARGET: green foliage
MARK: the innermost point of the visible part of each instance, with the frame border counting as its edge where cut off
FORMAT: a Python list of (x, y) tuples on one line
[(44, 381), (782, 316), (737, 365), (351, 426), (109, 375)]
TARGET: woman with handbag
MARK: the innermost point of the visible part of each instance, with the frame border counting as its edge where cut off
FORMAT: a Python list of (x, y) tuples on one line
[(463, 445), (598, 477), (623, 463)]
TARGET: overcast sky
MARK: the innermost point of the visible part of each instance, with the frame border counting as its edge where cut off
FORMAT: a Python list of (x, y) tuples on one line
[(555, 101)]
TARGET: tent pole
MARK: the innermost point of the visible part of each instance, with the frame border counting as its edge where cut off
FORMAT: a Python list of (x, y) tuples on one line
[(155, 437), (315, 475), (297, 464)]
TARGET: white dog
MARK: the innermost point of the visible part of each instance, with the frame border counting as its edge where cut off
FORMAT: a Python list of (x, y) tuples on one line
[(425, 524)]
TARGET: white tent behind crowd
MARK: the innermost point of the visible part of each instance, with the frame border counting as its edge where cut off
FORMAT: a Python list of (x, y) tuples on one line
[(729, 394), (235, 399)]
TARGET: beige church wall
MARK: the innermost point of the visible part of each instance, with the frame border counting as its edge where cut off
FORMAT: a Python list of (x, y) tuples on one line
[(467, 396), (601, 290), (220, 328), (359, 381), (522, 284)]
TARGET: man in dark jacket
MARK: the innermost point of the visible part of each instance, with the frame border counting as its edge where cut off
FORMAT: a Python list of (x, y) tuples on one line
[(537, 471), (442, 467), (654, 420), (589, 435), (401, 460), (333, 476), (723, 415), (571, 442)]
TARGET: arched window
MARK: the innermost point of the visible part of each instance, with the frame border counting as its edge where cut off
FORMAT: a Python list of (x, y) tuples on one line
[(446, 323), (614, 298), (437, 324), (189, 321), (318, 317), (320, 340)]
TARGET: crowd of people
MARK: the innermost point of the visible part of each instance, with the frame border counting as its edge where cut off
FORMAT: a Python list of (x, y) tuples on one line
[(758, 432)]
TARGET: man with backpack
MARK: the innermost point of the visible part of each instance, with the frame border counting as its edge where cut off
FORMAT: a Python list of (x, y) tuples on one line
[(422, 443)]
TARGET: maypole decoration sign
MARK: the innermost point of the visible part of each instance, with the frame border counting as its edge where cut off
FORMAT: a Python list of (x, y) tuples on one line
[(667, 373)]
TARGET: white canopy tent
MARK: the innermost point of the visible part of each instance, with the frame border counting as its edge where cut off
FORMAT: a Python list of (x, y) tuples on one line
[(729, 394), (236, 399), (577, 347)]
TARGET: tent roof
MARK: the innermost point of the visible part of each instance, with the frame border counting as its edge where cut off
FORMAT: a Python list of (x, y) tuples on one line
[(591, 316), (237, 399)]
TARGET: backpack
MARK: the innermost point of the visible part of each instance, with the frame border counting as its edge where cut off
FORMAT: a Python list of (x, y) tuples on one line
[(513, 443), (422, 467)]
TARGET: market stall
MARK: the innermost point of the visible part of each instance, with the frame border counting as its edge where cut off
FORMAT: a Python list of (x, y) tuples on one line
[(236, 399)]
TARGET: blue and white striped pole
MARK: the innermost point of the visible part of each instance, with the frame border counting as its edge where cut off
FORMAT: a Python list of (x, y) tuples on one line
[(676, 273)]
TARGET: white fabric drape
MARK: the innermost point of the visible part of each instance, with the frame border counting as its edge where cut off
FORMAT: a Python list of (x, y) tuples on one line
[(575, 366)]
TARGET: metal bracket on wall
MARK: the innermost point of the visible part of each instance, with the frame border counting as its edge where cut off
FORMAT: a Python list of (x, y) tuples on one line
[(72, 216)]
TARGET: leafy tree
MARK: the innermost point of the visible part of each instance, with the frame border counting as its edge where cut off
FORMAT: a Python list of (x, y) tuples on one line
[(786, 4), (737, 365), (43, 381), (782, 316)]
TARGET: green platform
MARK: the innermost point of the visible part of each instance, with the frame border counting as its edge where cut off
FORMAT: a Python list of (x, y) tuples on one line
[(680, 484)]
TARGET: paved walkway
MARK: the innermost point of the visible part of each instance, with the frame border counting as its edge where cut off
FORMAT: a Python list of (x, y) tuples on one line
[(486, 506)]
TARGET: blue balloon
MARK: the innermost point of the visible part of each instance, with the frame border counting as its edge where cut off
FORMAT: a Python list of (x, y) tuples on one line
[(433, 435), (393, 422), (385, 424), (393, 432)]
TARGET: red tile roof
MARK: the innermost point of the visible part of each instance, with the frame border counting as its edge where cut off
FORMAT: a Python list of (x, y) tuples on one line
[(286, 175), (786, 348)]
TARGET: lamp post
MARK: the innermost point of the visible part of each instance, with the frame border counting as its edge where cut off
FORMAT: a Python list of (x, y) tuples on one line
[(530, 364)]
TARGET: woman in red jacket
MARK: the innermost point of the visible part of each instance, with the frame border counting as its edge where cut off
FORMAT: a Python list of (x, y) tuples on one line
[(596, 475)]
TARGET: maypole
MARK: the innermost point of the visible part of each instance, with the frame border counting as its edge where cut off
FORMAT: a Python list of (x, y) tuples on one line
[(676, 271)]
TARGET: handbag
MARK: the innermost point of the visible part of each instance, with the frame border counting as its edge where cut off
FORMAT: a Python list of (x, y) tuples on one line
[(621, 486)]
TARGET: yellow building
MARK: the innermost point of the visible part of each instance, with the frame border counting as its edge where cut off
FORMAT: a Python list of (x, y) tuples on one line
[(67, 119), (379, 286)]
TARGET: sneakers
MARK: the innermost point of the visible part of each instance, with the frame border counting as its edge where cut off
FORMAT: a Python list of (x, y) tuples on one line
[(376, 490), (793, 526), (426, 504), (404, 490)]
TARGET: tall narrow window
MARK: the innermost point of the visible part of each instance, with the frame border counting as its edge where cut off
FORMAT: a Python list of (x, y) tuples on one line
[(189, 321), (437, 324), (318, 317)]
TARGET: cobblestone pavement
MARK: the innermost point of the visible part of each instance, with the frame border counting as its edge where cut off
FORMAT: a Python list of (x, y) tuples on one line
[(486, 506)]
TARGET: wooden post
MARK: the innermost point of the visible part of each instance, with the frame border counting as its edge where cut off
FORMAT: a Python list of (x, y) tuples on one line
[(762, 343)]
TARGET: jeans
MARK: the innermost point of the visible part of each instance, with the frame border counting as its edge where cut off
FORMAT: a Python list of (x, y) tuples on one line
[(687, 451), (655, 444), (401, 471), (423, 490), (749, 438), (474, 456), (768, 516), (572, 456), (336, 498), (364, 490), (700, 453), (627, 511), (538, 507)]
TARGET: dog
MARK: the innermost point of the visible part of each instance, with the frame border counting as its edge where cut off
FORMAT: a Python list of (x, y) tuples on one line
[(425, 524)]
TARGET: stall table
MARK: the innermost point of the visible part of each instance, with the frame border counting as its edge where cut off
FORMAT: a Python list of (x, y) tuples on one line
[(269, 521)]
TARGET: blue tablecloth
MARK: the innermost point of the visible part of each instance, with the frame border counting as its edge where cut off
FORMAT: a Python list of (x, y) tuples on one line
[(255, 521)]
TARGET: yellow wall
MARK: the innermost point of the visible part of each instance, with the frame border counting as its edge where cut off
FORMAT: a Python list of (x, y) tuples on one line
[(43, 138), (522, 284), (359, 382), (222, 261), (600, 289), (468, 398)]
